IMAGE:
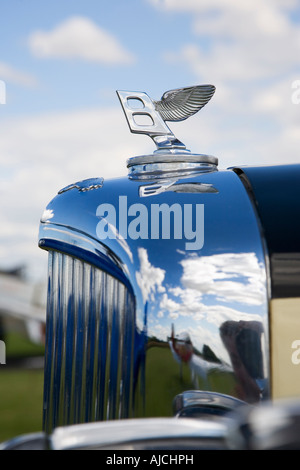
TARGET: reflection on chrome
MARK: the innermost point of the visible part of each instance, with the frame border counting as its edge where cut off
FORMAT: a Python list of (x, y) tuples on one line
[(200, 364), (193, 318), (171, 185), (248, 368), (211, 320), (149, 278), (47, 215)]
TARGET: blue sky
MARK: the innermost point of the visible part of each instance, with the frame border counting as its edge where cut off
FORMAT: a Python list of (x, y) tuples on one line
[(63, 61), (70, 83)]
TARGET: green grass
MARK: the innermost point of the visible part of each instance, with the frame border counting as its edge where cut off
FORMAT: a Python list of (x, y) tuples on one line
[(21, 390), (164, 375), (19, 346), (165, 379), (21, 402)]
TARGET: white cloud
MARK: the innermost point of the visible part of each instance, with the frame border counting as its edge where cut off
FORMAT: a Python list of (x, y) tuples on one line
[(234, 285), (42, 154), (230, 277), (247, 18), (248, 40), (195, 6), (212, 290), (250, 51), (79, 38), (201, 319), (11, 74), (169, 305), (149, 278)]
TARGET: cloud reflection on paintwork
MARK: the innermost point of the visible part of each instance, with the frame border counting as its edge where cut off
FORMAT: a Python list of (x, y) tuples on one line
[(149, 278), (236, 277), (212, 290)]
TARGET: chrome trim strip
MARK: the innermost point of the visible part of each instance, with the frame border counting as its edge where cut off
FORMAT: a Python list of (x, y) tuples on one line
[(117, 433), (164, 157), (194, 403), (32, 441), (151, 169), (54, 237)]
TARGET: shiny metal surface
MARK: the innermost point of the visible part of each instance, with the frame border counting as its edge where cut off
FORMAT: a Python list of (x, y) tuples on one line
[(34, 441), (141, 434), (89, 344), (198, 285), (171, 184), (196, 403), (85, 185), (169, 165), (274, 425), (152, 125), (271, 426), (146, 116), (177, 105)]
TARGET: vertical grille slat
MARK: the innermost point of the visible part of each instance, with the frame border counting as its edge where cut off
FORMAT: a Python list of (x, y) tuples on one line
[(102, 353), (121, 298), (127, 362), (91, 369), (114, 354), (106, 338), (89, 344)]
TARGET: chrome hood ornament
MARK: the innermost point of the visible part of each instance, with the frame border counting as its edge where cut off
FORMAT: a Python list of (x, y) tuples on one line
[(147, 116), (175, 105)]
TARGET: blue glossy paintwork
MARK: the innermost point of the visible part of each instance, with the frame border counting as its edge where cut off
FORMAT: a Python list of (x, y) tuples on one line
[(192, 293)]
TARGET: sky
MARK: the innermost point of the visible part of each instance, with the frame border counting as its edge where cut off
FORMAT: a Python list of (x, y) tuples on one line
[(61, 63)]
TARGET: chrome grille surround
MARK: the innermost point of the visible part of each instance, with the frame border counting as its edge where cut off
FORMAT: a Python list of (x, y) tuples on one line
[(89, 344)]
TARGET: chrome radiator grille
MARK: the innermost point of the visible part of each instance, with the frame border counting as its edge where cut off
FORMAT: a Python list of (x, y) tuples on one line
[(89, 344)]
